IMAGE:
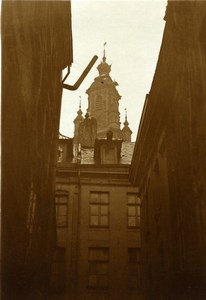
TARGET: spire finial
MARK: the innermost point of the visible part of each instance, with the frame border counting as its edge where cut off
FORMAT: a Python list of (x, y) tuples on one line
[(87, 114), (126, 122), (104, 57), (80, 102)]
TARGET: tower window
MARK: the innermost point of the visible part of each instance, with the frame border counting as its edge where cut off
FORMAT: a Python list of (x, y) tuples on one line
[(98, 102)]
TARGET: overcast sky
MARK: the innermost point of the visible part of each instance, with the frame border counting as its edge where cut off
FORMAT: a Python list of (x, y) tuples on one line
[(133, 31)]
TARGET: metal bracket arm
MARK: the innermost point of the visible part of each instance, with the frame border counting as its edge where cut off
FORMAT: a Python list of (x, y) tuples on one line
[(81, 78)]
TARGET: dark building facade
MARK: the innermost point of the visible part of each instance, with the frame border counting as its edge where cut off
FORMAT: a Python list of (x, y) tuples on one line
[(98, 223), (169, 161), (36, 47)]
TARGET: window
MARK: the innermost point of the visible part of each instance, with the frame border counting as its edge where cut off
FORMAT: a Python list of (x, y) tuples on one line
[(109, 154), (98, 268), (99, 209), (133, 210), (58, 271), (61, 199), (133, 268), (98, 102)]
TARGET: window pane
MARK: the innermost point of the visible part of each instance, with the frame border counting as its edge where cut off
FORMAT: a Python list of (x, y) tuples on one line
[(138, 200), (132, 221), (103, 281), (104, 210), (61, 197), (104, 197), (133, 257), (94, 197), (94, 220), (102, 268), (93, 268), (104, 221), (98, 268), (92, 280), (61, 220), (133, 269), (92, 254), (103, 254), (138, 211), (133, 282), (99, 254), (131, 210), (99, 210), (132, 198), (94, 210), (61, 210)]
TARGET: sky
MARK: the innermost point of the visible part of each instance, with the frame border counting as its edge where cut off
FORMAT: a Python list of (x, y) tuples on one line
[(133, 30)]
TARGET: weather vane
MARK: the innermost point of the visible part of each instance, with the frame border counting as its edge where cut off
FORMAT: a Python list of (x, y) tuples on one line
[(125, 113), (80, 99), (104, 49)]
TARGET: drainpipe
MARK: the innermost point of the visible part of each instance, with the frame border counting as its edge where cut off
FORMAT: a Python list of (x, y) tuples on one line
[(81, 78)]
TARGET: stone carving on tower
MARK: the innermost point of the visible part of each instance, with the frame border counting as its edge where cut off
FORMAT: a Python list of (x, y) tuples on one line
[(103, 101)]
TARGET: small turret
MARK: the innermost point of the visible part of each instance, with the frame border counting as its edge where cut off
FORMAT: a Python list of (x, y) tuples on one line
[(126, 131), (79, 119)]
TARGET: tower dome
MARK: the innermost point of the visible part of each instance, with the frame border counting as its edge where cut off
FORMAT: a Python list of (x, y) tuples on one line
[(103, 67)]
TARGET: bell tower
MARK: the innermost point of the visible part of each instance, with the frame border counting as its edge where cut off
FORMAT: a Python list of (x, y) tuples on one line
[(103, 101)]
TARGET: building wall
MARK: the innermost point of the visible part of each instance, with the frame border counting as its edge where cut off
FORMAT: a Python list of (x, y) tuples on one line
[(80, 236), (36, 46), (166, 163)]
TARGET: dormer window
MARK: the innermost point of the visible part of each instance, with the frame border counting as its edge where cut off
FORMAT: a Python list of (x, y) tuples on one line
[(107, 151)]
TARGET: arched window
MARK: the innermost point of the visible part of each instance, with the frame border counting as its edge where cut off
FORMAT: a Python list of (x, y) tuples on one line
[(98, 102)]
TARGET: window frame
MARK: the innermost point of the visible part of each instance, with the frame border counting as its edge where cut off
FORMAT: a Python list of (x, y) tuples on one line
[(134, 268), (59, 194), (99, 204), (94, 264), (137, 207)]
